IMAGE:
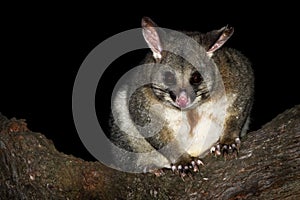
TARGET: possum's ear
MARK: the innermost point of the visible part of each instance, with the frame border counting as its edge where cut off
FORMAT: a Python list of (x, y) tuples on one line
[(222, 35), (151, 36)]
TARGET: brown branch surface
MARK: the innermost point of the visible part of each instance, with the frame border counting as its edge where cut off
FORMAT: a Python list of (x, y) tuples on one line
[(267, 168)]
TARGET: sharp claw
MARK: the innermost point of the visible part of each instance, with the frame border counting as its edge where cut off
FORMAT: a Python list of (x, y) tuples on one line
[(195, 166), (186, 168), (234, 148), (218, 150), (218, 147), (225, 150), (230, 149), (193, 163), (237, 144), (213, 149), (199, 162), (237, 141), (179, 168), (173, 167)]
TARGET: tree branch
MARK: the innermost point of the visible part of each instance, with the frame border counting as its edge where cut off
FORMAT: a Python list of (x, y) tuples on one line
[(267, 168)]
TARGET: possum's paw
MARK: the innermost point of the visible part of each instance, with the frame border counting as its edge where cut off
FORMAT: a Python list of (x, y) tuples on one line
[(227, 150), (187, 168)]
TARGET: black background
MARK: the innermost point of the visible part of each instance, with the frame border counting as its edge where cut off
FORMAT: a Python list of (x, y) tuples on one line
[(43, 47)]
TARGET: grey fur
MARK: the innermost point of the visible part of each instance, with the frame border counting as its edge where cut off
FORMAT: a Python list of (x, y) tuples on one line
[(137, 112)]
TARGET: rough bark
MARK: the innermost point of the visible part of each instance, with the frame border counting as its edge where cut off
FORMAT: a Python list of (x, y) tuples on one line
[(267, 168)]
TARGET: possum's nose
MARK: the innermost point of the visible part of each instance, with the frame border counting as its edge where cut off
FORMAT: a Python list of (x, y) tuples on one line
[(182, 100)]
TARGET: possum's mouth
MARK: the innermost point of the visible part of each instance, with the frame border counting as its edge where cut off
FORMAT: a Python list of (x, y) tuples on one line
[(181, 101)]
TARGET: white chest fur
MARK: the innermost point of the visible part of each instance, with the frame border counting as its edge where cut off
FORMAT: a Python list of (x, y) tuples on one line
[(198, 129), (195, 130)]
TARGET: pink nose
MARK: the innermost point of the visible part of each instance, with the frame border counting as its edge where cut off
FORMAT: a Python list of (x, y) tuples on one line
[(182, 101)]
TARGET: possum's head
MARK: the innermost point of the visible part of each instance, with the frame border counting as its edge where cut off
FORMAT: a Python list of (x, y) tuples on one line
[(178, 83)]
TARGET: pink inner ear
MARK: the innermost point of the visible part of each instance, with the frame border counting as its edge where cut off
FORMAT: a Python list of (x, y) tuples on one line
[(151, 37), (226, 34)]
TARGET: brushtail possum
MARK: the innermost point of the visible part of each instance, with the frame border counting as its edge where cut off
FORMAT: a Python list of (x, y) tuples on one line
[(182, 112)]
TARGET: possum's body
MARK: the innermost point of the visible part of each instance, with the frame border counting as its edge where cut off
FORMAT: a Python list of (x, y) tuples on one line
[(182, 113)]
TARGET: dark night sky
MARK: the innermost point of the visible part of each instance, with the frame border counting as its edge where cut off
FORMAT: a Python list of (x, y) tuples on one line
[(42, 49)]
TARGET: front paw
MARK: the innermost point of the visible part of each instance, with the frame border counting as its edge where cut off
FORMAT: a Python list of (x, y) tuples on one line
[(187, 168), (226, 150)]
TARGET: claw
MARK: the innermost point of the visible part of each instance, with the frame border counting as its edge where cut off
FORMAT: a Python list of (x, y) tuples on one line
[(213, 150), (186, 169), (218, 150), (174, 169), (237, 144), (226, 150), (235, 148), (237, 141), (199, 162), (195, 166), (180, 169)]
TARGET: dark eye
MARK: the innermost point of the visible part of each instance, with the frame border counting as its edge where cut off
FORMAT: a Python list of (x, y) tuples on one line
[(196, 78), (169, 78)]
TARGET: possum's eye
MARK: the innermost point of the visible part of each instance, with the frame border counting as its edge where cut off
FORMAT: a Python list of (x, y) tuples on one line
[(169, 78), (196, 78)]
